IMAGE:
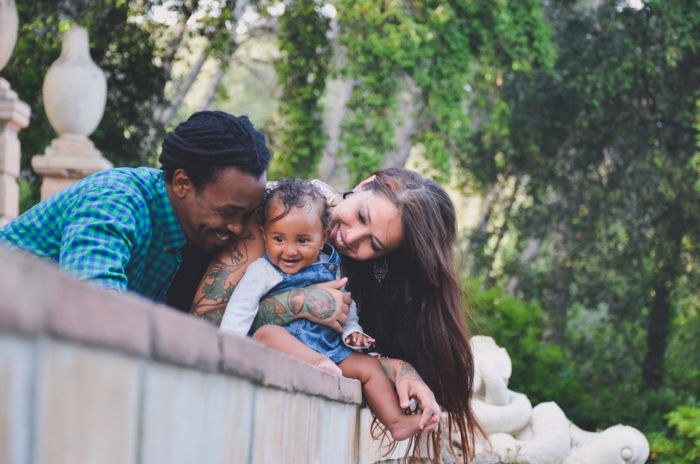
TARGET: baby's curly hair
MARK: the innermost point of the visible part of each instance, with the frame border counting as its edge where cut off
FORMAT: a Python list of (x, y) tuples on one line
[(293, 192)]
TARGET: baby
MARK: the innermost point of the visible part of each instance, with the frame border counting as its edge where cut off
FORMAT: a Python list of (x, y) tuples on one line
[(295, 218)]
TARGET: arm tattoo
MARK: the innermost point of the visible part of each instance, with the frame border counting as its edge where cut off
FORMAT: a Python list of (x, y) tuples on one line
[(398, 370), (311, 303), (215, 288), (314, 301), (405, 371), (271, 311)]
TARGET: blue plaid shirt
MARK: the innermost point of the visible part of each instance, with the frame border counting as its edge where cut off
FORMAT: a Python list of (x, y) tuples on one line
[(116, 227)]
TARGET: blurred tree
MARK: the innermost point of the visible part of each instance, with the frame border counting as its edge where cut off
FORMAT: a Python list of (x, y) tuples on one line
[(302, 71), (604, 148), (439, 53)]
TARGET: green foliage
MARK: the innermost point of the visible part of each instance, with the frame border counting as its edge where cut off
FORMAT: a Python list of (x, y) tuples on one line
[(605, 145), (541, 371), (302, 70), (453, 52), (681, 445)]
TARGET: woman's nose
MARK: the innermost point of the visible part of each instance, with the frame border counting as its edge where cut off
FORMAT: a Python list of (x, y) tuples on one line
[(236, 228), (355, 235)]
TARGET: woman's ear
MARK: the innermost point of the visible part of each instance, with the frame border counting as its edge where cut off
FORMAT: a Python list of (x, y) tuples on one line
[(366, 181)]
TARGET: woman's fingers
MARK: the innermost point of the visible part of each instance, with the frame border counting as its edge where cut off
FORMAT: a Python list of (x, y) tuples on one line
[(430, 424), (402, 391)]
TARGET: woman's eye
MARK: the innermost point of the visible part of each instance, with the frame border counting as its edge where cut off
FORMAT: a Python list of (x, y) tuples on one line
[(361, 216)]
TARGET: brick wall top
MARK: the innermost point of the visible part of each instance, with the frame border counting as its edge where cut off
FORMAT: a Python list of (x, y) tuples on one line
[(39, 300)]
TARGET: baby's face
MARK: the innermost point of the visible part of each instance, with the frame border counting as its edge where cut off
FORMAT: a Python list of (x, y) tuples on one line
[(293, 242)]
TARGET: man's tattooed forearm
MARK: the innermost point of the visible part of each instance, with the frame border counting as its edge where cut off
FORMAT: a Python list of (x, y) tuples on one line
[(215, 288)]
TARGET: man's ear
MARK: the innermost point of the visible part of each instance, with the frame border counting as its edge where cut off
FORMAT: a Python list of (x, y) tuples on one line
[(366, 181), (182, 185)]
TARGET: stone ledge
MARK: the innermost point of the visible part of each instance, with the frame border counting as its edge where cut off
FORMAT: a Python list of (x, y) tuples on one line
[(38, 299), (184, 340)]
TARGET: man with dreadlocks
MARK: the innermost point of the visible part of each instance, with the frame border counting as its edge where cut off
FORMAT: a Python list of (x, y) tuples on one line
[(127, 228)]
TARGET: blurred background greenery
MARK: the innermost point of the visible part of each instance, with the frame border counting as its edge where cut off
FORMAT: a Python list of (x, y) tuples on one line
[(567, 132)]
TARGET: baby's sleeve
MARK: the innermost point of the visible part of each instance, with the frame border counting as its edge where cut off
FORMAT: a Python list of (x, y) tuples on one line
[(241, 309)]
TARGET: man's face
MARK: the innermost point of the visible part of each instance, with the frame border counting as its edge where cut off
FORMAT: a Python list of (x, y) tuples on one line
[(214, 216)]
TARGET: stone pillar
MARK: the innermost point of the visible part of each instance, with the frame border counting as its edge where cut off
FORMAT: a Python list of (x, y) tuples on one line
[(75, 93), (14, 115)]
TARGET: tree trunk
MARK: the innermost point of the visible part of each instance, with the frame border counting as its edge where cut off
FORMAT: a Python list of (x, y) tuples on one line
[(661, 310), (409, 107), (169, 113), (327, 167), (657, 334), (214, 84)]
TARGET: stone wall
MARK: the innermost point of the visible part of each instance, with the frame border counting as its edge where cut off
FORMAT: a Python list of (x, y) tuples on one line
[(93, 376)]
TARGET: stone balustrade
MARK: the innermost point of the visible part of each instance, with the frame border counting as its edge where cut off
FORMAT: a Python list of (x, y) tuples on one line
[(90, 375)]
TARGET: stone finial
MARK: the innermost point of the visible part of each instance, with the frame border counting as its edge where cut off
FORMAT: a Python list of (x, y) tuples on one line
[(8, 30), (75, 89), (75, 93)]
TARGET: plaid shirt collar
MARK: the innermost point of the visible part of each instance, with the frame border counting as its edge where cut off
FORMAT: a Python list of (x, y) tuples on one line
[(173, 238)]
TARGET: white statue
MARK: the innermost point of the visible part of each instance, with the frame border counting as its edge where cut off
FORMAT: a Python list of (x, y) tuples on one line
[(75, 89), (519, 433), (8, 30)]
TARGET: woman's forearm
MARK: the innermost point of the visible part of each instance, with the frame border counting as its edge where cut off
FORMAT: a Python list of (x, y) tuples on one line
[(398, 370), (314, 303)]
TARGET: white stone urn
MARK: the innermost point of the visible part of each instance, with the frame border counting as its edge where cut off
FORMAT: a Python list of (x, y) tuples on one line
[(75, 89), (75, 93), (8, 30)]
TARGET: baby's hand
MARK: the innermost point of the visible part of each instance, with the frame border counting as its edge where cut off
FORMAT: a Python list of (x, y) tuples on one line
[(359, 340)]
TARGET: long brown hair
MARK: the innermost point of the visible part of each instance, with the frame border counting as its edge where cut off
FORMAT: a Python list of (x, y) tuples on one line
[(416, 312)]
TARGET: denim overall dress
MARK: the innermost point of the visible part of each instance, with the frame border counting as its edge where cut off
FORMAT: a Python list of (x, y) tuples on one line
[(319, 337)]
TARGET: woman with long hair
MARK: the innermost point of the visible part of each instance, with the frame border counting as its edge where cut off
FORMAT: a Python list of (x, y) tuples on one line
[(396, 232)]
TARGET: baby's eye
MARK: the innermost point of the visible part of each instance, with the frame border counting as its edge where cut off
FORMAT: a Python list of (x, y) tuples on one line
[(278, 239), (303, 240)]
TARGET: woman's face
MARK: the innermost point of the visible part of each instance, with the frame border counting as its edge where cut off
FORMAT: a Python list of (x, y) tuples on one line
[(365, 225)]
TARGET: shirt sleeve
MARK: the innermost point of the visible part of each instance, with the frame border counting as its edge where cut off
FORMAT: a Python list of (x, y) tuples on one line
[(99, 236), (241, 309)]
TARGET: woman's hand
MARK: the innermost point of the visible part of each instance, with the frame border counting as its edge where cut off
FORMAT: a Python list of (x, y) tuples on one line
[(410, 385)]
